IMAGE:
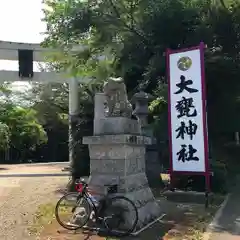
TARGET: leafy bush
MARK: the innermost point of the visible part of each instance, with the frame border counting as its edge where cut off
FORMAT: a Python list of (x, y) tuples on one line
[(20, 130), (4, 136)]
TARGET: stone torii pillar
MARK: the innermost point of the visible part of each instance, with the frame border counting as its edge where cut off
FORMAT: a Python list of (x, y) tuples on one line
[(73, 119), (117, 153)]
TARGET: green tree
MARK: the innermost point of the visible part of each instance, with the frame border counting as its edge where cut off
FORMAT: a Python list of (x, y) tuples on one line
[(50, 101), (135, 34), (26, 132), (51, 105), (20, 128), (4, 137)]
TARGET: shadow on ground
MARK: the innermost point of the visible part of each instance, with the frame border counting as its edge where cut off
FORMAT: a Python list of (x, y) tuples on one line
[(157, 231), (182, 219), (175, 216)]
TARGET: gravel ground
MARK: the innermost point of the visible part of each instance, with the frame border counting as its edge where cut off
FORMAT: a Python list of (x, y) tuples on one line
[(19, 200)]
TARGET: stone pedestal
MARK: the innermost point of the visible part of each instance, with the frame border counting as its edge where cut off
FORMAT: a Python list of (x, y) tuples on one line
[(153, 167), (118, 157)]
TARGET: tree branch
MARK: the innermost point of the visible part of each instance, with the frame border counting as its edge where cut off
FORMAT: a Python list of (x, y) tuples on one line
[(223, 4), (132, 29)]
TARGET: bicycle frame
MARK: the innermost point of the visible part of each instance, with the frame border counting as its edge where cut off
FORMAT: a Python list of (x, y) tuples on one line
[(84, 192), (96, 209)]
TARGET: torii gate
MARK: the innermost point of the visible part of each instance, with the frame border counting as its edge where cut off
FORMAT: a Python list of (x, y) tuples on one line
[(26, 54)]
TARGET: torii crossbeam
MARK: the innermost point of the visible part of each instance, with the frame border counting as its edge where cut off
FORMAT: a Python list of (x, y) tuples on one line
[(26, 54), (10, 51)]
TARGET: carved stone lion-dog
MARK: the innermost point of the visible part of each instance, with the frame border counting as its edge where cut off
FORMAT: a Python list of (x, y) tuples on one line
[(117, 103)]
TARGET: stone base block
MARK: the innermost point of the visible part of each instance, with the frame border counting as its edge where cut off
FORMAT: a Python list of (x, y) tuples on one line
[(148, 208), (116, 125), (134, 187)]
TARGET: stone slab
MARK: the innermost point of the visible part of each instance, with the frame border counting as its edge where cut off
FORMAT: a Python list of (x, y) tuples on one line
[(148, 213), (137, 191), (187, 196), (118, 139), (102, 179), (120, 167), (133, 182), (125, 184), (148, 210), (122, 159), (134, 187), (140, 196), (116, 166), (147, 206), (113, 151), (116, 125)]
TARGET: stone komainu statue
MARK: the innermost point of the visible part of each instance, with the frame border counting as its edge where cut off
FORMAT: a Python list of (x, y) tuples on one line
[(117, 104)]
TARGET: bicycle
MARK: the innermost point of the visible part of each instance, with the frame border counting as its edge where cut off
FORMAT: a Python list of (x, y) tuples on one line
[(109, 210)]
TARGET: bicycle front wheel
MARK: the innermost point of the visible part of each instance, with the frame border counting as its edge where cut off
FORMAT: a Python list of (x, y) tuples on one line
[(120, 216), (72, 211)]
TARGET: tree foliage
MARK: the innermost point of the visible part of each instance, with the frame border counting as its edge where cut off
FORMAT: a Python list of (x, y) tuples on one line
[(137, 32), (134, 35), (20, 129), (4, 137)]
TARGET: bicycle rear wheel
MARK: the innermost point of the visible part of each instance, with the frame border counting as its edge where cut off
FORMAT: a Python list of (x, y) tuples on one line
[(120, 216), (72, 211)]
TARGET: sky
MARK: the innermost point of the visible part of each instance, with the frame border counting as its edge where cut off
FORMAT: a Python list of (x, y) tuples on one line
[(20, 21)]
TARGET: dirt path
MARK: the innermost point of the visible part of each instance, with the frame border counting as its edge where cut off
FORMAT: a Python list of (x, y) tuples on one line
[(20, 198), (32, 168)]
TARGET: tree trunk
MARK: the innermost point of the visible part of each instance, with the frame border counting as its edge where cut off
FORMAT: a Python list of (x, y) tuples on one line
[(78, 153)]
